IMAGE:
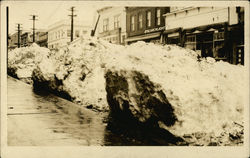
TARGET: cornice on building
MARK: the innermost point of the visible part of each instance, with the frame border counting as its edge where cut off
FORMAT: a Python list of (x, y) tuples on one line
[(180, 10), (103, 9)]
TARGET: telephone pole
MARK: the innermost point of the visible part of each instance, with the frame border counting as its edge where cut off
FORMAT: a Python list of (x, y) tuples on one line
[(34, 19), (7, 22), (72, 23), (18, 34)]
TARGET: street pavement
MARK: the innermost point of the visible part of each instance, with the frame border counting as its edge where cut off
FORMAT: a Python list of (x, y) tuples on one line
[(47, 120)]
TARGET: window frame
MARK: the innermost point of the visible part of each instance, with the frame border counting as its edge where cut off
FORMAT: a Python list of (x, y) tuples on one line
[(105, 24), (140, 19), (148, 19), (158, 19), (132, 23), (116, 21)]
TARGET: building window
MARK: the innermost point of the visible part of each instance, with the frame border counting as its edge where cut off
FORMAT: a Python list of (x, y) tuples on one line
[(158, 17), (190, 42), (68, 33), (133, 23), (105, 24), (148, 19), (77, 33), (140, 21), (116, 21)]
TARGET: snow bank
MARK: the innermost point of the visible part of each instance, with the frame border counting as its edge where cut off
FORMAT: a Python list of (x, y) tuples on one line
[(207, 96), (22, 61)]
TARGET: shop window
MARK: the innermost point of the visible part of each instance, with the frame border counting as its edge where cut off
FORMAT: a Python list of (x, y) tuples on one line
[(133, 23), (148, 19), (173, 40), (116, 22), (219, 36), (158, 16), (105, 25), (191, 42), (140, 21), (219, 50)]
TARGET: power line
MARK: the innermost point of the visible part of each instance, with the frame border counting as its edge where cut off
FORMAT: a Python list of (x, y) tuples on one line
[(34, 19), (72, 23)]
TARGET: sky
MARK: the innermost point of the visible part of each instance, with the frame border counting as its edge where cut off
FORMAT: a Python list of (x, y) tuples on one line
[(49, 12)]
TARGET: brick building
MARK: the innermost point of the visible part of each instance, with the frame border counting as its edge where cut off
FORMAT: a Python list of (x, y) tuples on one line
[(145, 24)]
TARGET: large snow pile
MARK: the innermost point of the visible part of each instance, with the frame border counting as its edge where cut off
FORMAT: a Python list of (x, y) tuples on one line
[(22, 61), (207, 96), (76, 70)]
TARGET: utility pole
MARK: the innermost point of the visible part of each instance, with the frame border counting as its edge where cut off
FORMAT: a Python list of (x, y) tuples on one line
[(7, 22), (72, 23), (18, 35), (34, 19)]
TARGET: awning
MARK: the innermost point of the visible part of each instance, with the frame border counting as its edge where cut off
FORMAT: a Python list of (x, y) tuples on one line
[(168, 31), (211, 27), (143, 37)]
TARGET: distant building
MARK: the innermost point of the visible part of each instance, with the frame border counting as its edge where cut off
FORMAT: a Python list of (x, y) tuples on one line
[(13, 41), (145, 24), (42, 38), (214, 31), (26, 39), (112, 24), (59, 33)]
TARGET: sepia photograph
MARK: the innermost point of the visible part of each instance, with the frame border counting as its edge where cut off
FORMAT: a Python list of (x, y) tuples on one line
[(128, 75)]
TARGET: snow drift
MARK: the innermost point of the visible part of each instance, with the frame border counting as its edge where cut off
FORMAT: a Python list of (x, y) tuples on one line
[(22, 61), (165, 86)]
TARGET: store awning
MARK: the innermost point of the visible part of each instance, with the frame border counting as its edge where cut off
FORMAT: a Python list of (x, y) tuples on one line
[(168, 31), (143, 37), (211, 27)]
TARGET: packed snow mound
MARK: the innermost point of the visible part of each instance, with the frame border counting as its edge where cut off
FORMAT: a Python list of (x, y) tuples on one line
[(22, 61), (76, 70), (205, 95)]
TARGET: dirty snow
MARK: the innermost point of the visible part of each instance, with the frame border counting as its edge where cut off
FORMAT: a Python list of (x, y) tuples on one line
[(207, 96)]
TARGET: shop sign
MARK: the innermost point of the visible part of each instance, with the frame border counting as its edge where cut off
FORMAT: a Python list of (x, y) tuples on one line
[(155, 29)]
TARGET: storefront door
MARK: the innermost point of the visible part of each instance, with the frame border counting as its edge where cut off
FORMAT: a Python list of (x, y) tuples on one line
[(205, 44)]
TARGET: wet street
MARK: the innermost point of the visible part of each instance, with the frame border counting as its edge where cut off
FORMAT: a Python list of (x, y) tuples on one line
[(43, 119)]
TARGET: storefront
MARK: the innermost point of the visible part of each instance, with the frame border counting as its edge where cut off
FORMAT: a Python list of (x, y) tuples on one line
[(212, 32), (209, 40), (151, 37)]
